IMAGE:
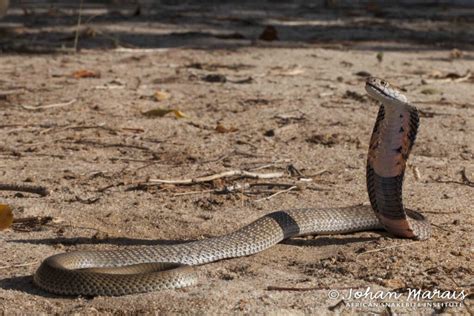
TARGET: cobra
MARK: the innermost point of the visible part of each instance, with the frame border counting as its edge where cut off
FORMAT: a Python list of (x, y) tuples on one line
[(152, 268)]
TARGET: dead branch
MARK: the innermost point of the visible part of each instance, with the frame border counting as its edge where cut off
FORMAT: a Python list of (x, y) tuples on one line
[(48, 106), (18, 265), (193, 192), (76, 36), (301, 289), (225, 174), (463, 182), (6, 93), (31, 223), (101, 144), (385, 248), (277, 193), (30, 188)]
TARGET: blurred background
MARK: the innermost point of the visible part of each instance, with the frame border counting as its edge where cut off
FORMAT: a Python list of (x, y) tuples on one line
[(49, 25)]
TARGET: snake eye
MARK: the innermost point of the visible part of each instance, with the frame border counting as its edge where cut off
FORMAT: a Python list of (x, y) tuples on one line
[(383, 82)]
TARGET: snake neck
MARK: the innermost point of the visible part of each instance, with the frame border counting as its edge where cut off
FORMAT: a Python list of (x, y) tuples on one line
[(392, 139)]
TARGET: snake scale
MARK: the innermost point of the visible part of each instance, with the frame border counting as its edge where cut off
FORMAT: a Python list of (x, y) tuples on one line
[(151, 268)]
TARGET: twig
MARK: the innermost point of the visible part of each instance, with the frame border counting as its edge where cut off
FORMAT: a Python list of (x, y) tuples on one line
[(318, 173), (430, 114), (193, 192), (336, 306), (277, 193), (234, 152), (140, 50), (28, 224), (76, 37), (269, 165), (11, 92), (98, 126), (237, 188), (301, 289), (14, 125), (385, 248), (443, 102), (98, 143), (233, 188), (38, 189), (19, 265), (225, 174), (48, 106), (79, 127), (439, 227), (470, 184), (240, 187)]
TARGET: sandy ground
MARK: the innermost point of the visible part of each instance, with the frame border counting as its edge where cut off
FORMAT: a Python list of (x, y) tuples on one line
[(299, 101)]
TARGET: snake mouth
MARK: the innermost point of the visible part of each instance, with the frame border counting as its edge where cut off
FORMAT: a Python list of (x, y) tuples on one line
[(377, 89), (376, 92)]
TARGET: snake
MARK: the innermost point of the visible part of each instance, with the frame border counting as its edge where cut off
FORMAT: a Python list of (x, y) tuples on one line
[(160, 267)]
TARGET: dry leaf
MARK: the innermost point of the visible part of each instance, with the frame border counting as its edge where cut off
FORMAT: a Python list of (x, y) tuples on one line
[(294, 70), (159, 112), (456, 53), (380, 56), (215, 78), (269, 33), (6, 216), (436, 74), (84, 73), (394, 283), (161, 95), (222, 129), (429, 91)]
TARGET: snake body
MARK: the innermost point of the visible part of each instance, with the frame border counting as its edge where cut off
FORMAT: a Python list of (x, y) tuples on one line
[(159, 267)]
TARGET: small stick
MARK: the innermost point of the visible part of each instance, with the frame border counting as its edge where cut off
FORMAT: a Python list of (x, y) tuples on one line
[(11, 92), (318, 173), (98, 143), (76, 37), (236, 188), (193, 192), (384, 248), (31, 188), (48, 106), (245, 186), (277, 193), (99, 126), (28, 224), (268, 165), (224, 174), (471, 184), (301, 289), (439, 227), (19, 265), (336, 306), (140, 50)]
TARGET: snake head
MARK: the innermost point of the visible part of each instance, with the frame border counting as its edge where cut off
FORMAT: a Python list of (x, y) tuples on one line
[(384, 92)]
